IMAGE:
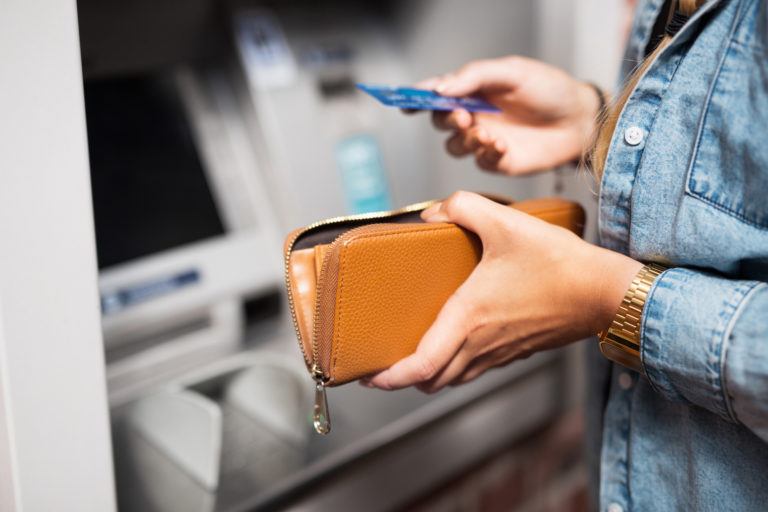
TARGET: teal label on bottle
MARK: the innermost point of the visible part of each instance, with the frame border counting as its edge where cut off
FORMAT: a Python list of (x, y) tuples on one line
[(363, 175)]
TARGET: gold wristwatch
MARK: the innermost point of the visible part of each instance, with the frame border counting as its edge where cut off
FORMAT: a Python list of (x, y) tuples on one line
[(621, 342)]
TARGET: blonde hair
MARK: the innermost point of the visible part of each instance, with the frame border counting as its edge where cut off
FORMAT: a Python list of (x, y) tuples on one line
[(609, 120)]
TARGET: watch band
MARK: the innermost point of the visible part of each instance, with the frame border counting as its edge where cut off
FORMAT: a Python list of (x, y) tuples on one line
[(602, 98), (621, 341)]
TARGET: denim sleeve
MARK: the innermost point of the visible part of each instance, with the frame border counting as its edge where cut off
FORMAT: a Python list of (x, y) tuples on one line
[(704, 341)]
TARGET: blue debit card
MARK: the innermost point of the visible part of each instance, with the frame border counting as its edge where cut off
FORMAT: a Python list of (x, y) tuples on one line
[(423, 99)]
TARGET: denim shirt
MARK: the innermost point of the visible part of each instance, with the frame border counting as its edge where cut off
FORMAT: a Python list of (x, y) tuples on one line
[(686, 185)]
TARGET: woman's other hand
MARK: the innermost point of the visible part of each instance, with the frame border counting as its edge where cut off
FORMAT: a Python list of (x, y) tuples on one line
[(547, 116), (537, 286)]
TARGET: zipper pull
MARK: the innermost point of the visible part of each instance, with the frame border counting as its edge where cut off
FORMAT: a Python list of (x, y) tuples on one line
[(320, 417)]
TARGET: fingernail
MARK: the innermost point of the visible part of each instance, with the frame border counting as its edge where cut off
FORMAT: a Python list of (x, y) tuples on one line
[(381, 383), (441, 88), (447, 87), (436, 216), (432, 210)]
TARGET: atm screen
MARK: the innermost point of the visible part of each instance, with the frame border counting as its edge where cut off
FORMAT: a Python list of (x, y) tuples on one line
[(150, 192)]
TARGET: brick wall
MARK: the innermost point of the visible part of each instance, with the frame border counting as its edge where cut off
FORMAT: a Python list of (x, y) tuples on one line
[(543, 472)]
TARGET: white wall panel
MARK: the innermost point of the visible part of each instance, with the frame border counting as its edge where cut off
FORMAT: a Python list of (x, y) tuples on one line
[(54, 434)]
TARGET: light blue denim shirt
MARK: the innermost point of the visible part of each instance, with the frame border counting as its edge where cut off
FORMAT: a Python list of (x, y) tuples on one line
[(686, 185)]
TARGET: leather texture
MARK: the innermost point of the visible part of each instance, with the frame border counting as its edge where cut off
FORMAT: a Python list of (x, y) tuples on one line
[(391, 285), (383, 285)]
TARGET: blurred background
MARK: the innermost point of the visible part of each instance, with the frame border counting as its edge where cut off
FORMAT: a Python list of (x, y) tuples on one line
[(167, 148)]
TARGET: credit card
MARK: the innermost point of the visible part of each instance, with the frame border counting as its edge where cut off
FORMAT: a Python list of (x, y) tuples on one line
[(423, 99)]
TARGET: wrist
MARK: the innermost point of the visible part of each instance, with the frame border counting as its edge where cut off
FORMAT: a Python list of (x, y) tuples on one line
[(593, 103), (615, 273), (621, 341)]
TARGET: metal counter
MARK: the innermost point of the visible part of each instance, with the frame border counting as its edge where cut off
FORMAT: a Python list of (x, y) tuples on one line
[(389, 448)]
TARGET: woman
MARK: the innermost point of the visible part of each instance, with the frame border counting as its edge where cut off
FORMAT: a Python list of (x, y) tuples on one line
[(682, 157)]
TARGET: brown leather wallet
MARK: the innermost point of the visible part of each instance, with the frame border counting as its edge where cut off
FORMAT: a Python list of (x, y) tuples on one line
[(363, 289)]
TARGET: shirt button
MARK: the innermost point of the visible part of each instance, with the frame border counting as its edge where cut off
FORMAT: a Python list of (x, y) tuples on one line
[(633, 135), (625, 381), (615, 507)]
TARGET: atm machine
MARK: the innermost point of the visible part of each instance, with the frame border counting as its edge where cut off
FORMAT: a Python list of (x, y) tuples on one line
[(213, 128), (203, 157)]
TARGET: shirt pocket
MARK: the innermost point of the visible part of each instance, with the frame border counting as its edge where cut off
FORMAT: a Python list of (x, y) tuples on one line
[(729, 169)]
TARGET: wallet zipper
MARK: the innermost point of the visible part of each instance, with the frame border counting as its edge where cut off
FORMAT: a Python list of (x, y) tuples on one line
[(320, 413), (324, 315)]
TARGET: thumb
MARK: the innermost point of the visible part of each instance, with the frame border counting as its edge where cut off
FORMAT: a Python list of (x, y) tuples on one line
[(482, 75), (471, 211), (428, 83)]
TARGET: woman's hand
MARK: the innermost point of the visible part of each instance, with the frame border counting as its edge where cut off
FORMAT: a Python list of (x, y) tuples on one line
[(538, 286), (548, 116)]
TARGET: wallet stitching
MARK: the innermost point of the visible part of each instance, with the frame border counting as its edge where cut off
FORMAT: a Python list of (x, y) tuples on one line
[(337, 335)]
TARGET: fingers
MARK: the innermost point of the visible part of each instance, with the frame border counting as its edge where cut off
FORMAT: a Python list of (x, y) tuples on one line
[(478, 138), (472, 372), (453, 120), (475, 357), (455, 146), (474, 212), (430, 84), (488, 157), (488, 361), (469, 137), (487, 148), (439, 345), (482, 75), (449, 374)]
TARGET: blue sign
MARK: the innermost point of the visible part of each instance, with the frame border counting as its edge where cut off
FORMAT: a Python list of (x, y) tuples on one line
[(122, 298), (362, 173)]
